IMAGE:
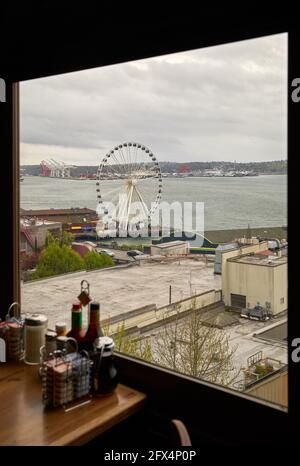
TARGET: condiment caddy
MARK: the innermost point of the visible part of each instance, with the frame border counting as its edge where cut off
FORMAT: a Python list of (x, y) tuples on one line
[(65, 378), (73, 364), (12, 335)]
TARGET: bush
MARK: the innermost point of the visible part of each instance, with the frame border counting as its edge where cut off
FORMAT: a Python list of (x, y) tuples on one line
[(93, 260), (263, 370), (65, 239), (56, 259), (29, 261), (127, 247)]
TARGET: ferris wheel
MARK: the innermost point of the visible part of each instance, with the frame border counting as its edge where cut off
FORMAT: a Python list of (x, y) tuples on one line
[(129, 188)]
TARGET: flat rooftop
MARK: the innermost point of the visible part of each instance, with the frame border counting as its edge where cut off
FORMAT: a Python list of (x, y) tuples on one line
[(248, 337), (74, 211), (260, 259), (275, 332), (171, 244), (25, 223), (120, 289)]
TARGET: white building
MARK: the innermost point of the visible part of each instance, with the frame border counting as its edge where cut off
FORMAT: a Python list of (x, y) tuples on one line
[(172, 248)]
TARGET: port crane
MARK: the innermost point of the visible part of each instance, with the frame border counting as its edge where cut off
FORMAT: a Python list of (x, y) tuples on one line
[(54, 169)]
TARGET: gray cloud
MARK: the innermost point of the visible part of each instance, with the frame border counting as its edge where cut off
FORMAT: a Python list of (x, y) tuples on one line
[(220, 103)]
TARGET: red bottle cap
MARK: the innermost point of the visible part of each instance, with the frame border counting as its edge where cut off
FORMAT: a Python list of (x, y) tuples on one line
[(76, 306)]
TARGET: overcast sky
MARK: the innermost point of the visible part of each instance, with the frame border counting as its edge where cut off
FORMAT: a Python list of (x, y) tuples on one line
[(220, 103)]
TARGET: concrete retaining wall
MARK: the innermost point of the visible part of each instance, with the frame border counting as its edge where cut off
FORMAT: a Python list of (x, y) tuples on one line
[(142, 320), (195, 302)]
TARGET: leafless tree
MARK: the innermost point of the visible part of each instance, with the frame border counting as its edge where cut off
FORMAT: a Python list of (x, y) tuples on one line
[(186, 345), (195, 348), (139, 347)]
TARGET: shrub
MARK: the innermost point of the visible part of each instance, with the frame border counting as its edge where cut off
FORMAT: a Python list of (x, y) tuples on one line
[(93, 260), (56, 259)]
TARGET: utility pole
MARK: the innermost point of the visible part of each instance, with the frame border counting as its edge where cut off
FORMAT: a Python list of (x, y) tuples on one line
[(249, 233), (170, 294), (192, 293)]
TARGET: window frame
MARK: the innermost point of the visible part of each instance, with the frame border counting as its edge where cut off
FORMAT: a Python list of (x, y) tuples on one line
[(155, 381)]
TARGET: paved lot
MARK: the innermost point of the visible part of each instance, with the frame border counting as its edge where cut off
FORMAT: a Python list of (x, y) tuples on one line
[(241, 335), (120, 289)]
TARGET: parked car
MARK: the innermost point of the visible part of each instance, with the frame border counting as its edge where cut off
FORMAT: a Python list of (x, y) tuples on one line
[(134, 252), (245, 313), (105, 251), (256, 313)]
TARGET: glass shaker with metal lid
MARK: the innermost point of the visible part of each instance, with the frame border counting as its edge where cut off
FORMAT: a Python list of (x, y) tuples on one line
[(34, 336), (104, 374)]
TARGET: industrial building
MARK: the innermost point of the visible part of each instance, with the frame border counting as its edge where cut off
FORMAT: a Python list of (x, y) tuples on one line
[(173, 248), (273, 388), (73, 215), (256, 278), (237, 248), (266, 378), (34, 233)]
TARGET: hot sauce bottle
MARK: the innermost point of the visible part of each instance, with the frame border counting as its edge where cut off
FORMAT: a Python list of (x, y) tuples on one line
[(94, 330), (77, 331)]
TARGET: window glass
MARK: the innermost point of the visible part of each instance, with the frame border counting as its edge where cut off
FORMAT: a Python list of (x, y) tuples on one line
[(163, 183)]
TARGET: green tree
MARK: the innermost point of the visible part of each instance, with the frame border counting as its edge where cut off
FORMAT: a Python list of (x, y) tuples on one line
[(56, 259), (65, 239), (51, 239), (93, 260)]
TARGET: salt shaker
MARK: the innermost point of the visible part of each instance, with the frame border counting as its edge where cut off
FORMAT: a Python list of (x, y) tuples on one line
[(34, 336)]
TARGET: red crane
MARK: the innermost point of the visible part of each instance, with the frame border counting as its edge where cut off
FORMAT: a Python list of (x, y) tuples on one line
[(44, 169), (184, 168)]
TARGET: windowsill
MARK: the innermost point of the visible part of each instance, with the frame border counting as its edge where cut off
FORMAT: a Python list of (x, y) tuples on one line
[(156, 372)]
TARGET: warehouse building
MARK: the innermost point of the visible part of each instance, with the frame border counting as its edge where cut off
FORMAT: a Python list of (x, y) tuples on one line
[(237, 248), (256, 278)]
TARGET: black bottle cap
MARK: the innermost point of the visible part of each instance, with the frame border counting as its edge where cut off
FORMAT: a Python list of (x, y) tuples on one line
[(94, 306)]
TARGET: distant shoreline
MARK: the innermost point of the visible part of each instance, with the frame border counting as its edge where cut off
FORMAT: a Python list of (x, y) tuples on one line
[(272, 167), (223, 236), (172, 177)]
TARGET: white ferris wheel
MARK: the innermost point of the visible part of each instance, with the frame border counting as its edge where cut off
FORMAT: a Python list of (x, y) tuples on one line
[(129, 188)]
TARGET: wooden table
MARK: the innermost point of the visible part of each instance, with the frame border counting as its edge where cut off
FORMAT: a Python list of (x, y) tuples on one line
[(24, 421)]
